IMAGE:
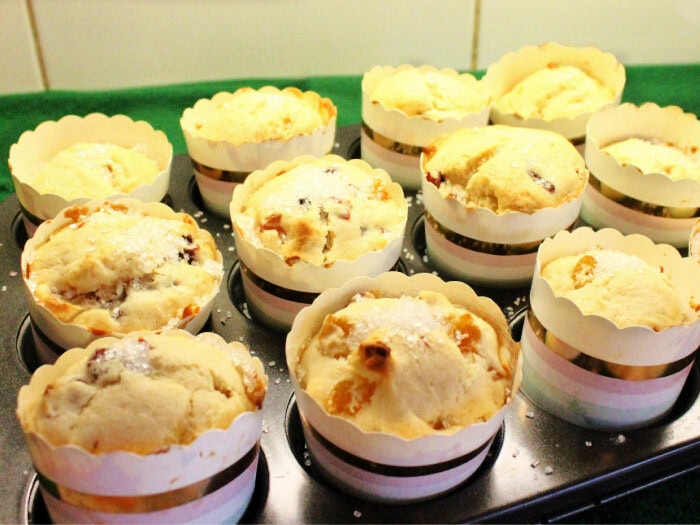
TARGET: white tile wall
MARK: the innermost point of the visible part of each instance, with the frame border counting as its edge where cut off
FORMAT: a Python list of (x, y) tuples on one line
[(113, 43), (19, 64), (635, 31), (103, 44)]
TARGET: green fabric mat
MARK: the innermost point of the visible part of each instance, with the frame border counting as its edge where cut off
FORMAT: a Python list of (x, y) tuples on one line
[(162, 106), (675, 501)]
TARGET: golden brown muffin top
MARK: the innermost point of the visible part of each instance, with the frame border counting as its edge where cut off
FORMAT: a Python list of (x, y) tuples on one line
[(560, 91), (504, 168), (430, 93), (323, 211), (408, 365), (619, 286), (116, 268), (94, 170), (146, 392)]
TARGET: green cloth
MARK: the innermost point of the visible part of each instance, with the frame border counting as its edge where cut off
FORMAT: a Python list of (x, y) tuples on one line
[(674, 501), (162, 106)]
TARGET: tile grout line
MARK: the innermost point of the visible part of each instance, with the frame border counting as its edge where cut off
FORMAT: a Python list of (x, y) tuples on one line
[(476, 35), (37, 45)]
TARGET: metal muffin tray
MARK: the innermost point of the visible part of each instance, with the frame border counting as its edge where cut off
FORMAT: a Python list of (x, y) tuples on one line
[(539, 469)]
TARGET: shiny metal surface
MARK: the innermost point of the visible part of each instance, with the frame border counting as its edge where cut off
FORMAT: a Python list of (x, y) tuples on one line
[(541, 469)]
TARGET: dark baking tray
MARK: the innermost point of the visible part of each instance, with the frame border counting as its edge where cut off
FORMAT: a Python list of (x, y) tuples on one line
[(540, 468)]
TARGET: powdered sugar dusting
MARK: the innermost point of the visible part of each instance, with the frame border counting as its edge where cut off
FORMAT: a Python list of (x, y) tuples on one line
[(609, 262), (408, 316)]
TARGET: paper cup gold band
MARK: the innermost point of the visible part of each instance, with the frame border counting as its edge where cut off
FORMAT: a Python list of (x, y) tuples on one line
[(278, 291), (391, 144), (217, 174), (394, 470), (602, 367), (483, 246), (149, 502), (646, 207)]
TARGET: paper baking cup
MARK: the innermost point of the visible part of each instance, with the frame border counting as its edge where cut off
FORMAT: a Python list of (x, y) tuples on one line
[(276, 291), (598, 375), (379, 466), (50, 335), (479, 246), (211, 480), (392, 140), (219, 165), (501, 76), (35, 148), (621, 196)]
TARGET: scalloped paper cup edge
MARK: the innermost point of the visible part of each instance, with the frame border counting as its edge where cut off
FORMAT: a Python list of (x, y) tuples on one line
[(36, 147), (669, 124), (595, 335), (382, 447), (514, 66)]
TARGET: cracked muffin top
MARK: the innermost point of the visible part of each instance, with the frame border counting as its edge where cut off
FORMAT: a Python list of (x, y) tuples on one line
[(505, 168), (408, 365), (116, 267), (321, 210), (144, 392), (94, 170), (430, 93), (621, 287), (559, 91)]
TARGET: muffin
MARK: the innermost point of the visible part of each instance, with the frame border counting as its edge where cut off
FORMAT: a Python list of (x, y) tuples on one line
[(153, 426), (402, 383), (114, 267), (305, 225), (645, 171), (492, 194), (553, 86), (76, 159), (626, 311), (232, 134), (405, 107)]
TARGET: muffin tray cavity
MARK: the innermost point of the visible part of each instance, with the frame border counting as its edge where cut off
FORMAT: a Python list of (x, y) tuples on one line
[(539, 468)]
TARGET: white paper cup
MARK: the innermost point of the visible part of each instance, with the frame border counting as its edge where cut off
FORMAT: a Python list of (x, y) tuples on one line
[(35, 148), (501, 76), (51, 335), (381, 466), (276, 291), (598, 375), (210, 480), (219, 165), (621, 196), (392, 140)]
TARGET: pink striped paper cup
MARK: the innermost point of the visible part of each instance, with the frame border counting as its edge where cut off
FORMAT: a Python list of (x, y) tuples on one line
[(621, 196), (585, 369), (483, 247), (385, 466)]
